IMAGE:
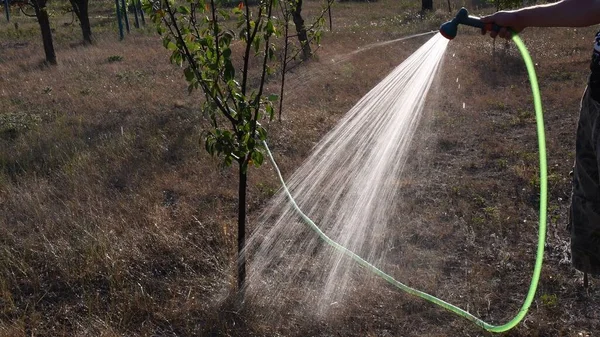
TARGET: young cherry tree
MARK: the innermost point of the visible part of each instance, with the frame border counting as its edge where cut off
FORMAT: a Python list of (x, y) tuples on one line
[(201, 35)]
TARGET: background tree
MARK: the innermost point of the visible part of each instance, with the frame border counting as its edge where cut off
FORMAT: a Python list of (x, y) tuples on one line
[(291, 10), (80, 8), (41, 13), (296, 11), (200, 36)]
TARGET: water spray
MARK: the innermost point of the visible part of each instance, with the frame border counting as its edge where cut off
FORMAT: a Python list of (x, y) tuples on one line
[(450, 28)]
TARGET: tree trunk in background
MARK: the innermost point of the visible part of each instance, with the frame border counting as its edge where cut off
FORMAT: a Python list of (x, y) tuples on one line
[(42, 16), (301, 30), (86, 29), (80, 7), (427, 5)]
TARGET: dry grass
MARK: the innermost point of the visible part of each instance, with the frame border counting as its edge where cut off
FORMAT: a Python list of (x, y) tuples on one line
[(115, 222)]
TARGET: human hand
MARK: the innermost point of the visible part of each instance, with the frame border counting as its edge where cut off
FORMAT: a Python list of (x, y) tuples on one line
[(509, 21)]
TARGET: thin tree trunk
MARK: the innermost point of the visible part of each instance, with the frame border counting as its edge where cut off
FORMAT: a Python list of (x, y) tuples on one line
[(329, 3), (141, 12), (301, 30), (136, 22), (119, 19), (124, 14), (7, 10), (84, 19), (42, 16), (286, 39), (80, 7), (241, 260)]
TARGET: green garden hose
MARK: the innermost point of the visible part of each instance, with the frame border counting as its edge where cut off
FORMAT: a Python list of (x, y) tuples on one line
[(542, 221)]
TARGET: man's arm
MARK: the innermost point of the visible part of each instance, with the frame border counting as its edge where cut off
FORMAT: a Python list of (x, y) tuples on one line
[(565, 13)]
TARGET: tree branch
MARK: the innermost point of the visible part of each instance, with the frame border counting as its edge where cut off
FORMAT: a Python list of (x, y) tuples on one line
[(194, 66), (264, 72)]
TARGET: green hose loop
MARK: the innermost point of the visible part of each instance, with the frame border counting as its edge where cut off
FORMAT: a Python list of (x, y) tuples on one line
[(542, 221)]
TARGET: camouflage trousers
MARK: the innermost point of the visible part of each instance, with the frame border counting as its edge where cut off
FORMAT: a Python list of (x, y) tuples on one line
[(584, 217)]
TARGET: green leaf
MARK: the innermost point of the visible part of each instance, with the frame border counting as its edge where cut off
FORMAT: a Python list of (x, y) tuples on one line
[(317, 37), (271, 52), (229, 73), (209, 144), (189, 74), (193, 46), (184, 10), (270, 112), (166, 40), (251, 142), (171, 46), (273, 97), (201, 5), (257, 158), (177, 58), (227, 37), (228, 160), (224, 14), (256, 43), (270, 29), (227, 53), (262, 133)]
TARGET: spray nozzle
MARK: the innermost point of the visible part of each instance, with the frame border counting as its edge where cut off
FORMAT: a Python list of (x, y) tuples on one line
[(450, 28)]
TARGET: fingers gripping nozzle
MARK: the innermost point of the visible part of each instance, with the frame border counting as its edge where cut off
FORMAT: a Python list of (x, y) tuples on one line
[(450, 28)]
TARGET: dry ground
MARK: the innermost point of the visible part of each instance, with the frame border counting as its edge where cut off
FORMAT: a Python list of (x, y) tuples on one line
[(115, 222)]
